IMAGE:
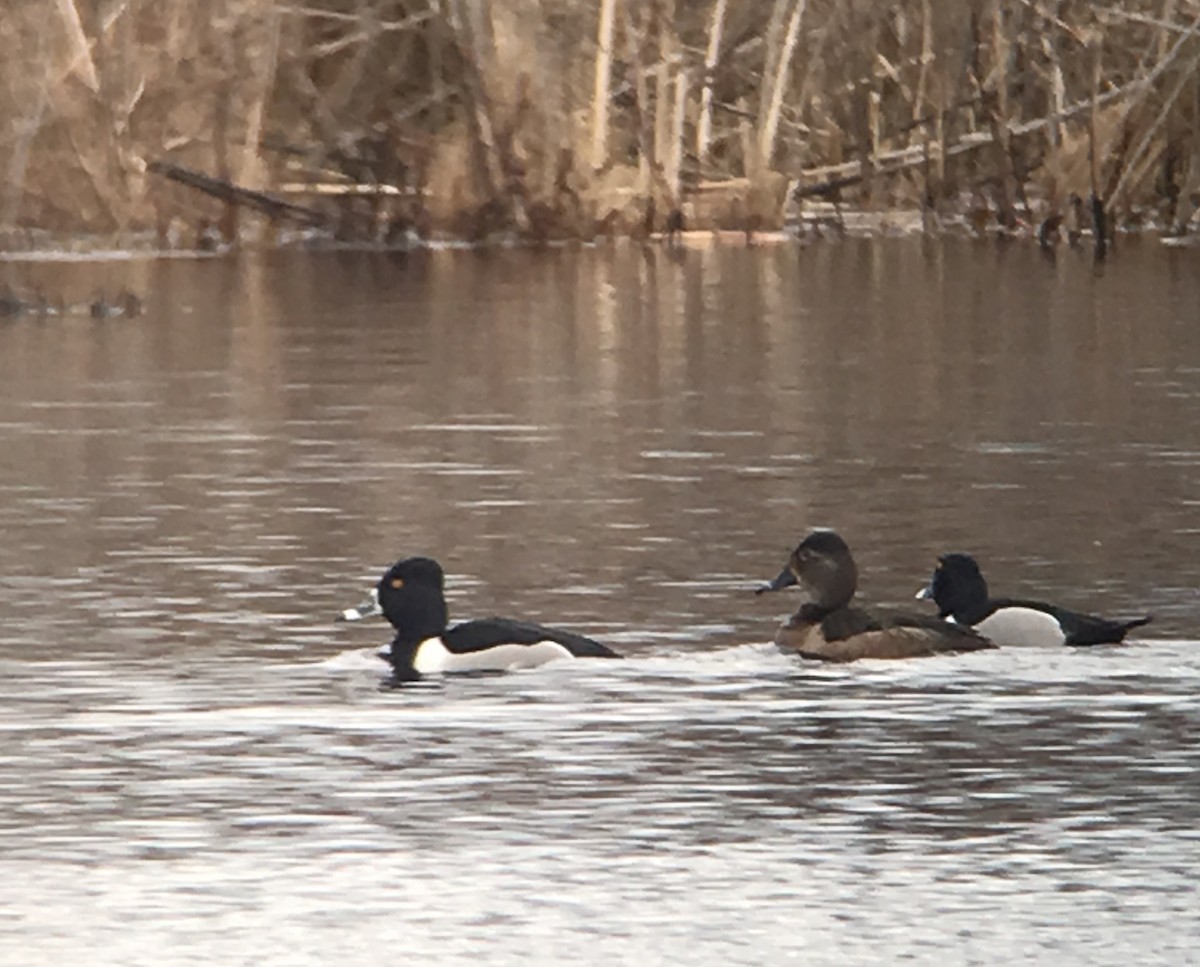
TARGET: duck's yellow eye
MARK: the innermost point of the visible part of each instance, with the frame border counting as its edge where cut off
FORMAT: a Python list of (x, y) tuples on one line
[(397, 582)]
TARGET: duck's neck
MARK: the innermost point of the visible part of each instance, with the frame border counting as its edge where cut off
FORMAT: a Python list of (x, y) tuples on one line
[(829, 596), (970, 606), (403, 656), (812, 613), (828, 587), (423, 618)]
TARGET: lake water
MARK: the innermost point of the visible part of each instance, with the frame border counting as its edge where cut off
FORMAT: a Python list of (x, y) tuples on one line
[(197, 766)]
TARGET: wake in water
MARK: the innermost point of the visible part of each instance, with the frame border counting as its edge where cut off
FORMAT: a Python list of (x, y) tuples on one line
[(754, 659)]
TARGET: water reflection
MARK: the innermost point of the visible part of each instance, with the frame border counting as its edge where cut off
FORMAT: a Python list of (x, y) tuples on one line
[(194, 757)]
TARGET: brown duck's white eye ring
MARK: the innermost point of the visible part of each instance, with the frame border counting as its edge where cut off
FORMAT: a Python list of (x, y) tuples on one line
[(397, 583)]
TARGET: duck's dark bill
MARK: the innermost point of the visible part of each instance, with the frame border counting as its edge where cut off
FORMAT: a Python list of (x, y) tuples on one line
[(364, 610), (785, 579), (926, 593)]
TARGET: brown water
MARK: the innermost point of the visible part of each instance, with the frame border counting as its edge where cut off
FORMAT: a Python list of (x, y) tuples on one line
[(198, 766)]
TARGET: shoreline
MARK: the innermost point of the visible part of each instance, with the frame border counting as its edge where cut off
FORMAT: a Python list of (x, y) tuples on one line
[(817, 228)]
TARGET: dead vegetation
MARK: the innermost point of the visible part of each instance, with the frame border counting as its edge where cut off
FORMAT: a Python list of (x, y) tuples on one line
[(219, 121)]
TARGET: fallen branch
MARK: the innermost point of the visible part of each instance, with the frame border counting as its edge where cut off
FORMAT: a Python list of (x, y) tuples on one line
[(233, 194), (902, 159)]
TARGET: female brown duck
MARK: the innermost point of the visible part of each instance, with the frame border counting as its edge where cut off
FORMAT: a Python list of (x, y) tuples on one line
[(826, 627)]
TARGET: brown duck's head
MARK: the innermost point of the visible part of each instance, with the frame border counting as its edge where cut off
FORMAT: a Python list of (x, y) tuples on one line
[(823, 567)]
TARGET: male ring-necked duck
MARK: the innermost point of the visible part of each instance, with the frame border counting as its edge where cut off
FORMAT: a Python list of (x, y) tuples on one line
[(410, 595), (826, 626), (961, 594)]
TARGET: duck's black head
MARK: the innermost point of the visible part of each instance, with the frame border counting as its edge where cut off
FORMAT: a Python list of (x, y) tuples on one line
[(410, 596), (958, 589), (824, 568)]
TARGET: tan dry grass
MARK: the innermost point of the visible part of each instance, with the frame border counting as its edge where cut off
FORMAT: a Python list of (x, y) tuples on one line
[(564, 118)]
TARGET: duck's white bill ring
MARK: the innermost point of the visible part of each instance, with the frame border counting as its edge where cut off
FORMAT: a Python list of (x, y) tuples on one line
[(925, 594), (364, 610)]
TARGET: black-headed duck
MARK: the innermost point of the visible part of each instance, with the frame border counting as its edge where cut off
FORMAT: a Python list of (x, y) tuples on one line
[(410, 595), (961, 594), (126, 304)]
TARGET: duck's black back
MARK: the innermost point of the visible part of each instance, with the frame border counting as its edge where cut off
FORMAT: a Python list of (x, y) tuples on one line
[(484, 633)]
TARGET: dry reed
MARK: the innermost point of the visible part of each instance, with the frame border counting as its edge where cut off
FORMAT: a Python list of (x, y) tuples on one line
[(371, 119)]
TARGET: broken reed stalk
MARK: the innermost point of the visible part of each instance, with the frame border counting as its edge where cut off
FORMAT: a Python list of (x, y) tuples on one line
[(1168, 12), (600, 95), (18, 164), (251, 169), (998, 119), (711, 56), (1131, 170), (1058, 87), (929, 219), (778, 84), (675, 157), (662, 92), (771, 47), (635, 30), (1098, 221), (940, 136), (871, 166), (927, 58), (81, 50), (466, 25), (1139, 89)]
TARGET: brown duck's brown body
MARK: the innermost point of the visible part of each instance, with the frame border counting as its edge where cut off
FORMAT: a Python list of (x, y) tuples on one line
[(852, 633), (827, 627)]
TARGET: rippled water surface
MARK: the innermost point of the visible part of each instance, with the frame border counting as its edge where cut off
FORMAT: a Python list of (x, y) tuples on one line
[(198, 766)]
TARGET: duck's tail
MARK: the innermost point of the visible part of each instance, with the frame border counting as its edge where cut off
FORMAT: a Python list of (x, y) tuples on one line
[(1137, 622)]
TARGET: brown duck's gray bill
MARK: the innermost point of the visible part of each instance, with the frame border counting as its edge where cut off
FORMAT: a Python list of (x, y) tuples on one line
[(785, 579), (926, 593), (364, 610)]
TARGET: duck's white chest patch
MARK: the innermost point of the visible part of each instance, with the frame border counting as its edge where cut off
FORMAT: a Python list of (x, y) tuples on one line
[(432, 657), (1016, 627)]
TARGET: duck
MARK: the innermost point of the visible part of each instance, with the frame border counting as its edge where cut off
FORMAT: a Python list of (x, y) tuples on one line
[(828, 628), (10, 303), (411, 595), (126, 304), (960, 592)]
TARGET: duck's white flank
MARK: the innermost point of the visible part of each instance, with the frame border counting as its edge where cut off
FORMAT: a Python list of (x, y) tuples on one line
[(1014, 627), (432, 657)]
